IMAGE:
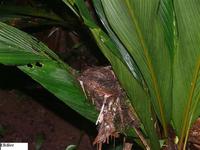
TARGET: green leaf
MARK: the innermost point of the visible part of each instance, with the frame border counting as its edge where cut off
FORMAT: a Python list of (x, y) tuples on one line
[(85, 14), (115, 46), (91, 24), (21, 21), (134, 90), (140, 29), (29, 11), (167, 16), (62, 84), (186, 90), (19, 50), (71, 4), (138, 97), (28, 16), (15, 38), (44, 66), (10, 55), (120, 50)]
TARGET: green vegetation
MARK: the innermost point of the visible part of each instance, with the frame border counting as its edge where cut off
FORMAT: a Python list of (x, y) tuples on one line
[(153, 47)]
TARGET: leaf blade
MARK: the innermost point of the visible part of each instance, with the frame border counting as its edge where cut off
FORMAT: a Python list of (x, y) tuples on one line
[(136, 23), (134, 91), (186, 68), (109, 49), (61, 83), (51, 73)]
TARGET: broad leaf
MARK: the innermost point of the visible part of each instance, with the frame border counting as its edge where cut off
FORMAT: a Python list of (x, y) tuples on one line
[(28, 16), (138, 97), (61, 83), (139, 27), (186, 91), (13, 56), (88, 20), (29, 11), (18, 51), (121, 50), (40, 63), (134, 90), (167, 16)]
